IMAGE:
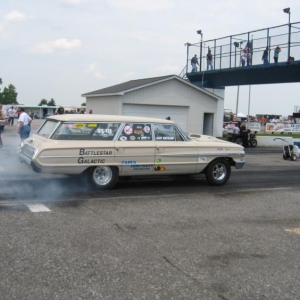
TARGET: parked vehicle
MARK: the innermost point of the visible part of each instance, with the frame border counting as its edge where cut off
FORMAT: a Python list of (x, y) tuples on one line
[(289, 151), (103, 148)]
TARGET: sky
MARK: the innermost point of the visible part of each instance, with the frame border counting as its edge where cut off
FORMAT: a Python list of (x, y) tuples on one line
[(62, 49)]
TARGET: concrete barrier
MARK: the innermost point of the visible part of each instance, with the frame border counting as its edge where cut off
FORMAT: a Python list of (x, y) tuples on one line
[(268, 141)]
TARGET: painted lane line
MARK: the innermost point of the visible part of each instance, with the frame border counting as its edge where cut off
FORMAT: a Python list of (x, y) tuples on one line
[(38, 207), (295, 230)]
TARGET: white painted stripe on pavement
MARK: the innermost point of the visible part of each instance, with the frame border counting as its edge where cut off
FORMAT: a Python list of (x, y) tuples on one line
[(38, 207)]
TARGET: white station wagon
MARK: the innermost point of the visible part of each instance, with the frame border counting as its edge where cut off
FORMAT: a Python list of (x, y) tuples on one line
[(103, 148)]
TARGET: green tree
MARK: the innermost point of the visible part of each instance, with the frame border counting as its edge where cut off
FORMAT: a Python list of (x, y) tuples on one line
[(9, 95), (83, 104), (51, 102), (43, 102)]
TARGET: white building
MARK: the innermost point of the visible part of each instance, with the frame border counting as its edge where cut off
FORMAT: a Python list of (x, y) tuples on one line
[(194, 109)]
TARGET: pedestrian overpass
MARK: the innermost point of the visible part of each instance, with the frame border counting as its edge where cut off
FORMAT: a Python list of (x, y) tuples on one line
[(227, 67)]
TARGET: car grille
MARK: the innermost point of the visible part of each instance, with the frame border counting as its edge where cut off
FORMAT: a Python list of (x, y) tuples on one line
[(28, 151)]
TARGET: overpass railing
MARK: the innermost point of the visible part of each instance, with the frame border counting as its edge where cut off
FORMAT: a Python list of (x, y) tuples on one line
[(227, 51)]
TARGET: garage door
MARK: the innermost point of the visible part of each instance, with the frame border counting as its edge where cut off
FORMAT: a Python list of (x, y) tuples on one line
[(178, 114)]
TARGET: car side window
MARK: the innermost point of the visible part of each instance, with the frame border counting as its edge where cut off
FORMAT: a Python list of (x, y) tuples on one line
[(136, 132), (166, 132), (86, 131)]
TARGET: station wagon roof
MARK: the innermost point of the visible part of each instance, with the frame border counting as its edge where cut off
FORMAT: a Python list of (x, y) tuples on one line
[(105, 118)]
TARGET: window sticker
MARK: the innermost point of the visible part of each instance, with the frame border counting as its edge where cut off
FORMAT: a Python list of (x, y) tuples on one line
[(132, 137), (146, 129), (79, 125), (92, 125), (123, 138), (128, 130)]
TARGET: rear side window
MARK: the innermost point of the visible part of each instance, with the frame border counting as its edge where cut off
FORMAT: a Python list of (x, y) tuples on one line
[(136, 132), (104, 131)]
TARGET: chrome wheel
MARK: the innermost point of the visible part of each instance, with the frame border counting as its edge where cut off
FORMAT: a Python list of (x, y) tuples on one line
[(218, 171), (101, 177)]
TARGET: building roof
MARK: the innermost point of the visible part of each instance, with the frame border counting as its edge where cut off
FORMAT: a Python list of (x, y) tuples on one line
[(122, 88)]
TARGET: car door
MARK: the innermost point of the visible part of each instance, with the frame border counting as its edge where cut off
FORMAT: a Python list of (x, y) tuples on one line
[(135, 149), (173, 155)]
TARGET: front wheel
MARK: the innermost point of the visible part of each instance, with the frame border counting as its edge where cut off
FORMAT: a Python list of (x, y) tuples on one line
[(102, 177), (253, 143), (294, 157), (218, 172)]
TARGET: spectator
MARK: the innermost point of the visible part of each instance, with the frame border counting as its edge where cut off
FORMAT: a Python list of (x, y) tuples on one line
[(11, 115), (265, 56), (243, 57), (209, 59), (194, 63), (276, 54), (24, 124)]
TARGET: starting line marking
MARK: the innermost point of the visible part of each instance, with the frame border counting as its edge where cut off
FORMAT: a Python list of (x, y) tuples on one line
[(38, 208)]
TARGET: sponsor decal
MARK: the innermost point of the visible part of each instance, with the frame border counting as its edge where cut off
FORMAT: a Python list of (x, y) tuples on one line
[(158, 160), (128, 162), (83, 151), (132, 137), (141, 167), (123, 138), (138, 131), (160, 168), (128, 130), (92, 125), (144, 138), (146, 129), (201, 159), (79, 125), (223, 149), (165, 138), (82, 160)]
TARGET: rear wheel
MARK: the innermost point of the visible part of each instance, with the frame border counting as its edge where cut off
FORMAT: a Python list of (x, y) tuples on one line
[(253, 143), (218, 172), (102, 177)]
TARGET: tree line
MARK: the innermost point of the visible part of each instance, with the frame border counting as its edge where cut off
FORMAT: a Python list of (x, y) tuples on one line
[(9, 96)]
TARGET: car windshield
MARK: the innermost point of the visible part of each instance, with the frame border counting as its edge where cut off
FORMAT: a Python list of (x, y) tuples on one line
[(47, 128)]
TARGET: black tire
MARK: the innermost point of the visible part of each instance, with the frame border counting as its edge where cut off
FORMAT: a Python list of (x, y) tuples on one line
[(218, 172), (253, 143), (239, 141), (294, 157), (284, 156), (102, 177)]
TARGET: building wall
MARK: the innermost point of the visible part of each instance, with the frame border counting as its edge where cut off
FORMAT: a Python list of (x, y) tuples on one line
[(171, 92)]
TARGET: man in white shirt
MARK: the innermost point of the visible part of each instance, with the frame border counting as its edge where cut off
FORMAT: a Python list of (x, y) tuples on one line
[(24, 124), (11, 115), (230, 127)]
